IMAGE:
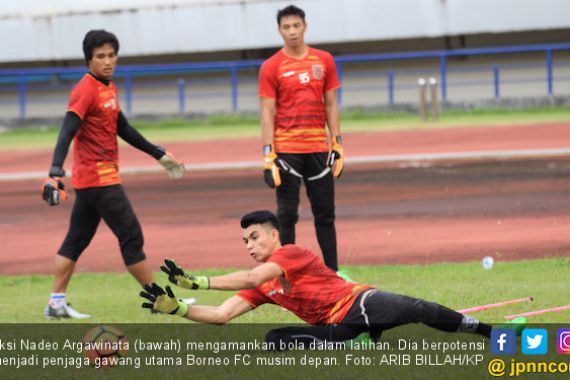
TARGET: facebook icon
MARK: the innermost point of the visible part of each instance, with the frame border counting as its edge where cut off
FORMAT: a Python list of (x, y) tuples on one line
[(503, 341)]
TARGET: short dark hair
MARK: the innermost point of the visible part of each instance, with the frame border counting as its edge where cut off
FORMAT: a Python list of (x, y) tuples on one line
[(260, 217), (97, 38), (291, 10)]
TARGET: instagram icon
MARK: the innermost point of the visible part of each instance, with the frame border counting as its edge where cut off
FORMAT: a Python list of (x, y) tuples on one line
[(563, 341)]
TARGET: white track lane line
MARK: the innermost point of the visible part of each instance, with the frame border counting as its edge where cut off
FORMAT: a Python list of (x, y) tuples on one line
[(395, 159)]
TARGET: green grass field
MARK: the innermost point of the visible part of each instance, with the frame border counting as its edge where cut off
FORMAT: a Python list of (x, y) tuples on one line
[(234, 126), (113, 297)]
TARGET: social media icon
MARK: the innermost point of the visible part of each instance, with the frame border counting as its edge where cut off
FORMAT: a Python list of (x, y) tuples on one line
[(563, 341), (503, 341), (534, 341)]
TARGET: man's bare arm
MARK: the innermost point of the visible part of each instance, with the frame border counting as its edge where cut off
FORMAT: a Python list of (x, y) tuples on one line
[(165, 301), (332, 113), (233, 281), (267, 116), (231, 308), (246, 279)]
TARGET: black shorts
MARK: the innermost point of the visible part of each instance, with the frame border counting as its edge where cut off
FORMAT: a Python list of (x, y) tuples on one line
[(377, 309), (111, 204), (373, 311), (319, 184)]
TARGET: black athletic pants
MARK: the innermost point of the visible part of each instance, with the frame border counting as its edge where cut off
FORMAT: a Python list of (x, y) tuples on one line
[(321, 195), (375, 311), (111, 204)]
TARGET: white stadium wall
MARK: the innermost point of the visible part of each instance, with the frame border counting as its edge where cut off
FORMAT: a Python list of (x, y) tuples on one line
[(41, 30)]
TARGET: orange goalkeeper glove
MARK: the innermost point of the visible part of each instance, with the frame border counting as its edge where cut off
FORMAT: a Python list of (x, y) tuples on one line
[(270, 169), (336, 156), (53, 189)]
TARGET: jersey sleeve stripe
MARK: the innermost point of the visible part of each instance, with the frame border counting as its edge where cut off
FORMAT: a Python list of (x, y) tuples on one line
[(81, 116), (333, 88), (266, 95)]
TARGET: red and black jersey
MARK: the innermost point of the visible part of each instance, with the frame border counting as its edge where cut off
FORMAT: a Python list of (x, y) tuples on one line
[(308, 288), (95, 151), (298, 87)]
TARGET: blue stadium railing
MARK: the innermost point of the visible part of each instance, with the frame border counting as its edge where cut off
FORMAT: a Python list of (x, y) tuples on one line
[(14, 80)]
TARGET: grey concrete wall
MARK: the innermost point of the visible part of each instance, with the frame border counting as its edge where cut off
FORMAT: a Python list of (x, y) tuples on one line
[(42, 30)]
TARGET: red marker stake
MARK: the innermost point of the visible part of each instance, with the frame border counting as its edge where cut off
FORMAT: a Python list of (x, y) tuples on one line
[(494, 305), (537, 312)]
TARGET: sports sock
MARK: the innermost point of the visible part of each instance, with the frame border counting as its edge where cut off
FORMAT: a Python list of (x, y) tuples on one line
[(484, 329), (452, 321), (57, 300)]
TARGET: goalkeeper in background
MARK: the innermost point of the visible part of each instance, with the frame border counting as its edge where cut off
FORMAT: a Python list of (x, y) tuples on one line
[(296, 279), (93, 120), (297, 90)]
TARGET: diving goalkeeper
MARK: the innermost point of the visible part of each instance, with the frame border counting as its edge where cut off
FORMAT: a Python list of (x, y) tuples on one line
[(297, 279)]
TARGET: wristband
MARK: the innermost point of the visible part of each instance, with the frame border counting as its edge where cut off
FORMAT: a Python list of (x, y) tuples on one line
[(56, 171), (182, 309), (158, 152)]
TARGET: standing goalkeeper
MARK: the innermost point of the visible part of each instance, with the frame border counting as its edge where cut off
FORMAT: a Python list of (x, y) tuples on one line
[(93, 120), (297, 89)]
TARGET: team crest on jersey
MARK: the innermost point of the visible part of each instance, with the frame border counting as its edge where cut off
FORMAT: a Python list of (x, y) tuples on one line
[(318, 72), (110, 104), (274, 292), (280, 286)]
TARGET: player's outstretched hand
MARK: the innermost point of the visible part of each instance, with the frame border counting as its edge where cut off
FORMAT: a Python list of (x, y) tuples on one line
[(271, 174), (177, 276), (163, 301), (173, 166), (53, 190), (336, 157)]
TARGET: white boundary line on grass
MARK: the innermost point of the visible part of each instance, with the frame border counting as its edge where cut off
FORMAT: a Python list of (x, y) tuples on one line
[(394, 158)]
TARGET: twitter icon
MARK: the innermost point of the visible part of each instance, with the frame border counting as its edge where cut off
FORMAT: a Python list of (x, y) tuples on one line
[(534, 341)]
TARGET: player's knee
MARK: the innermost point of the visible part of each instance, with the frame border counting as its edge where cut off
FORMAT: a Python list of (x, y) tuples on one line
[(324, 219), (131, 241), (132, 248), (288, 219), (419, 310), (323, 213), (287, 214), (133, 257), (70, 254), (73, 248)]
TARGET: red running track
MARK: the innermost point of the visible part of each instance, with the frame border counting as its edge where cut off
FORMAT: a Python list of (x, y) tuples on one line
[(452, 212)]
